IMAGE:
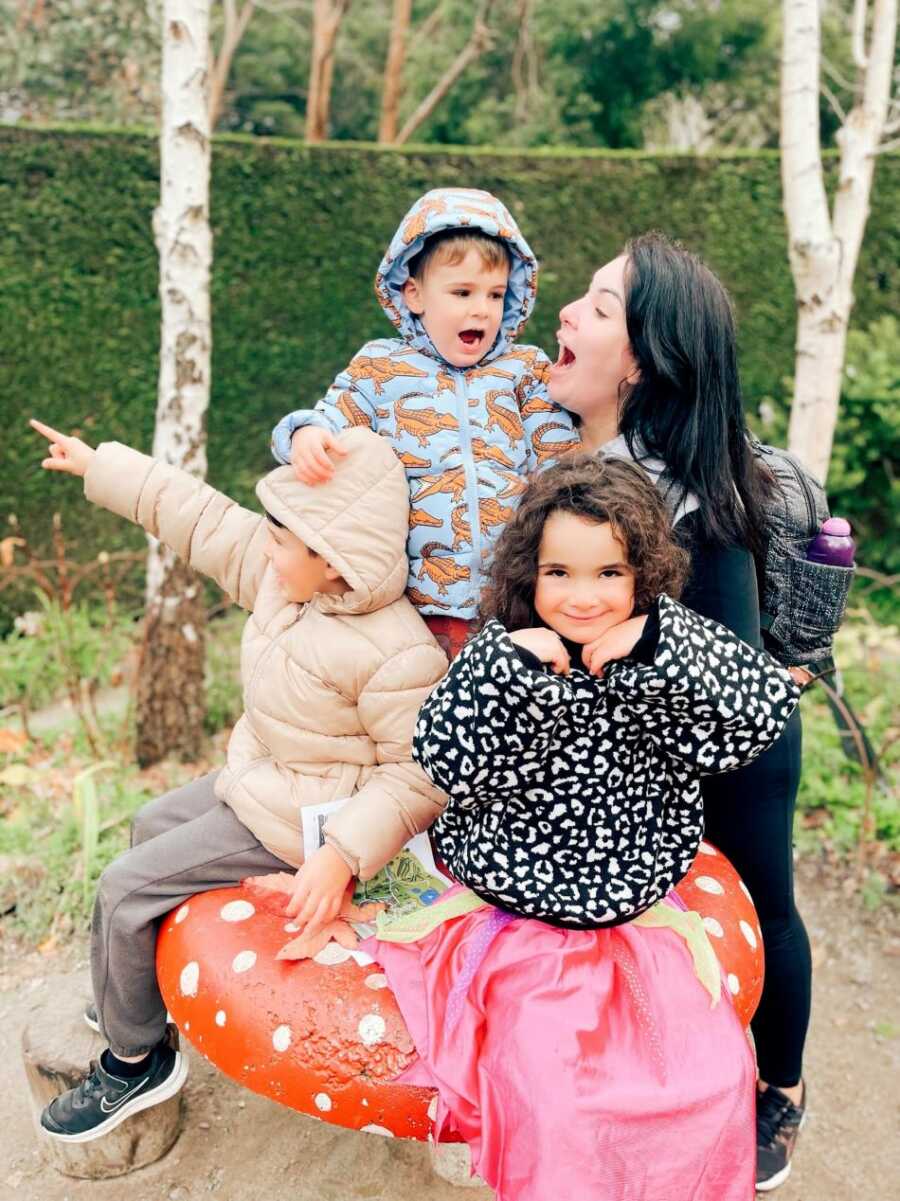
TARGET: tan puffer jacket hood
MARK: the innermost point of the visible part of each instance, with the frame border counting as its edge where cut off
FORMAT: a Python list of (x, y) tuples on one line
[(332, 688)]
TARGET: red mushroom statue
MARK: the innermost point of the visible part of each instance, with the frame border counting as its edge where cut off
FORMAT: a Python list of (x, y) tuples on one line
[(325, 1035)]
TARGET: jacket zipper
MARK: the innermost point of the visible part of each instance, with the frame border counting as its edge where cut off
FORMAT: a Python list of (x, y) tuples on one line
[(471, 473), (264, 658), (808, 496)]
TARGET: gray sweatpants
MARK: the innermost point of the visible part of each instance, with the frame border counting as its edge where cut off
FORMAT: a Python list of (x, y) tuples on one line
[(185, 842)]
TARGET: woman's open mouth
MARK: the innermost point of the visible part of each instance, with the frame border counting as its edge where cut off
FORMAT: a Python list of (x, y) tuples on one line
[(471, 337), (566, 358)]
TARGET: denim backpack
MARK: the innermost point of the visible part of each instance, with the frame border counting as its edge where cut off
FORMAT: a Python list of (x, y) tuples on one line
[(801, 603)]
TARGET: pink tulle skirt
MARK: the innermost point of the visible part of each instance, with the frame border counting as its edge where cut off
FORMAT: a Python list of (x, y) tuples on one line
[(578, 1065)]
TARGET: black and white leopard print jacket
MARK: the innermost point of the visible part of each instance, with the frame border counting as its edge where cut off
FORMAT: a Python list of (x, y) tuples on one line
[(575, 799)]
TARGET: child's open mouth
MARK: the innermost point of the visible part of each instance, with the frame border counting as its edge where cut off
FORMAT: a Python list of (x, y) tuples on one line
[(471, 337)]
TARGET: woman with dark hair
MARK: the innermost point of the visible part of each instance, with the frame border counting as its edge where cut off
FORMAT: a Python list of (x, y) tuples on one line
[(648, 365)]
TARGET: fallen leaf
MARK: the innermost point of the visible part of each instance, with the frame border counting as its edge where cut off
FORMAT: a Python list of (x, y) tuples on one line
[(270, 892), (361, 913), (306, 947), (11, 741)]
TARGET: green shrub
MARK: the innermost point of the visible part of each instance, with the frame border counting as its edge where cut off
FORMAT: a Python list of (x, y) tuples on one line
[(299, 231)]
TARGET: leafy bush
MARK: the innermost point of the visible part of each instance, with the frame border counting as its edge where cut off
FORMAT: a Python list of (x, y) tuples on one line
[(299, 231)]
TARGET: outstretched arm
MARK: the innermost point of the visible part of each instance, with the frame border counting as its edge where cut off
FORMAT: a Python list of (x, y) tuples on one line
[(209, 531)]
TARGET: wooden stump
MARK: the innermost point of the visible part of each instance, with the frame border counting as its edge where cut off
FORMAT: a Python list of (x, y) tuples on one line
[(57, 1046)]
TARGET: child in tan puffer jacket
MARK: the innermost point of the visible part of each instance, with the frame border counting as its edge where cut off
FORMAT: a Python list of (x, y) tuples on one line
[(335, 664)]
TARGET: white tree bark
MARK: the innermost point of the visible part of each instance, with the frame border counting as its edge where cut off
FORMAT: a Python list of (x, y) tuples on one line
[(170, 693), (824, 247)]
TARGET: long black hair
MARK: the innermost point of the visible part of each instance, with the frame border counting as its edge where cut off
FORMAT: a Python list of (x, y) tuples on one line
[(685, 408)]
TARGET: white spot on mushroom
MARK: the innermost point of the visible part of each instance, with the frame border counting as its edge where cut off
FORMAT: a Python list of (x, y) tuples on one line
[(705, 849), (236, 911), (323, 1102), (365, 1102), (372, 1129), (713, 927), (432, 1109), (189, 979), (708, 884), (221, 1017), (331, 954), (376, 980), (182, 914), (281, 1039), (734, 985), (371, 1029), (243, 961), (749, 933), (291, 928)]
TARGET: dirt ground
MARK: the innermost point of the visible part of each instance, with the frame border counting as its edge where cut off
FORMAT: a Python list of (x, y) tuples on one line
[(239, 1147)]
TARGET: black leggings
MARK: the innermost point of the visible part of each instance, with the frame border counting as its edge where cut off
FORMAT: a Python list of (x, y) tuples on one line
[(749, 816)]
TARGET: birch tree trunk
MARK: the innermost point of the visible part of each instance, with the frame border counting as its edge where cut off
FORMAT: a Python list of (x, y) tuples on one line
[(824, 249), (393, 71), (170, 688)]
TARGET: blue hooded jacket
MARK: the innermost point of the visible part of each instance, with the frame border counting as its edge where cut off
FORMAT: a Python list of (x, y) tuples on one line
[(468, 436)]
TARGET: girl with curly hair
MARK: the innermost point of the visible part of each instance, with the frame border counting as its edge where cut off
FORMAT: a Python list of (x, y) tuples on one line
[(567, 1008)]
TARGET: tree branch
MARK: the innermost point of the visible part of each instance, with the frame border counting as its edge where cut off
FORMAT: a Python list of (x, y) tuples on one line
[(858, 33), (836, 77), (478, 41), (833, 102), (235, 27)]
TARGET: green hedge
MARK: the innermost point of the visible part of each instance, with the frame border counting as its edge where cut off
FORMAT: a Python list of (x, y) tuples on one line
[(299, 232)]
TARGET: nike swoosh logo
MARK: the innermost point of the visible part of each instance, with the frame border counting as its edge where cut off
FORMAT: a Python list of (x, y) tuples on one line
[(121, 1101)]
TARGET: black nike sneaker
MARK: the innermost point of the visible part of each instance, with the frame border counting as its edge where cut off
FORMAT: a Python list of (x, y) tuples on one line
[(778, 1125), (102, 1101)]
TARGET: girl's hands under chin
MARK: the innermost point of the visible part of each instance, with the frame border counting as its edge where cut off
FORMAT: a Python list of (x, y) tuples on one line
[(546, 644), (616, 643)]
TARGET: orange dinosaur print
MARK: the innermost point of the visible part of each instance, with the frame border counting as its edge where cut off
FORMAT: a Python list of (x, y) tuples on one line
[(552, 450), (415, 226), (491, 513), (462, 529), (441, 571), (381, 370), (445, 382), (537, 404), (419, 599), (488, 372), (483, 450), (409, 460), (453, 481), (525, 354), (508, 420), (421, 517), (421, 424), (346, 405), (515, 486)]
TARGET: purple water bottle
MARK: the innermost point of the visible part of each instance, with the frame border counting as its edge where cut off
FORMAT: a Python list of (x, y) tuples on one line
[(832, 545)]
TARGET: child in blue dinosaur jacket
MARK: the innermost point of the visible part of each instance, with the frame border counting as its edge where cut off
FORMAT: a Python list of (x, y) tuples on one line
[(465, 407)]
